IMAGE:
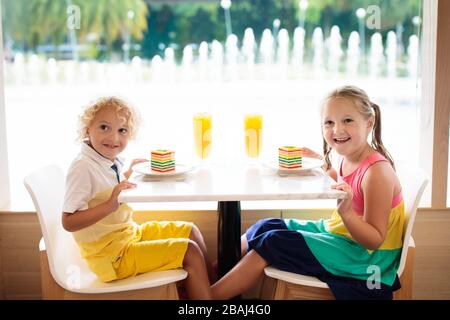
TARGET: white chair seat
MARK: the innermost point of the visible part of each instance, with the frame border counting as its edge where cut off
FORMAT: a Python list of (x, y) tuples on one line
[(79, 278), (294, 278), (303, 280)]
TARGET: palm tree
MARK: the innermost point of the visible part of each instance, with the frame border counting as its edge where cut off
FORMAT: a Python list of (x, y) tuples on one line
[(34, 22), (111, 19), (17, 24)]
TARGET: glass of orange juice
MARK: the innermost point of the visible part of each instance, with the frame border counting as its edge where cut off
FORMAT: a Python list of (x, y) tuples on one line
[(253, 134), (202, 134)]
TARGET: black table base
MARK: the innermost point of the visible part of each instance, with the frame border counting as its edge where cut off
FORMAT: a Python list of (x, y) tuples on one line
[(229, 235)]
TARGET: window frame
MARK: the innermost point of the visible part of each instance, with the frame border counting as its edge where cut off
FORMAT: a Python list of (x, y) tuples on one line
[(434, 108)]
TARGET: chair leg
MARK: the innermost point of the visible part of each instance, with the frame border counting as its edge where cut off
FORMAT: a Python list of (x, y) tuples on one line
[(52, 291), (49, 288), (406, 279), (274, 289), (267, 288)]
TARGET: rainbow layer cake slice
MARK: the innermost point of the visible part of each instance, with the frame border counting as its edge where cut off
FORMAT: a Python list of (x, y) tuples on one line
[(289, 157), (163, 160)]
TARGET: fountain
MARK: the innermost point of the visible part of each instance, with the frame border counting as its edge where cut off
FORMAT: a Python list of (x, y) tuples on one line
[(391, 54), (248, 51), (203, 60), (318, 48), (376, 57), (413, 56), (232, 56), (136, 69), (52, 70), (228, 62), (157, 69), (266, 52), (353, 54), (186, 63), (282, 58), (335, 52), (216, 60), (298, 49), (169, 64)]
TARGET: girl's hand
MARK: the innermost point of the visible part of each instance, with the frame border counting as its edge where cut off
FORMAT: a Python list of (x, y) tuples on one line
[(113, 201), (344, 205), (306, 152), (134, 162)]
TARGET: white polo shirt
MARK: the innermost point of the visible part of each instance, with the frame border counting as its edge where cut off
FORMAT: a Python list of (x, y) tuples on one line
[(89, 174)]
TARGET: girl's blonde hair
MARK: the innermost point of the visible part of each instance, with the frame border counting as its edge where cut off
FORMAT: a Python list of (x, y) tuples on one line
[(122, 109), (367, 109)]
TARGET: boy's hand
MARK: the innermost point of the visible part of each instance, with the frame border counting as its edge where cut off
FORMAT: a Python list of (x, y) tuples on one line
[(344, 205), (113, 201), (134, 162), (306, 152)]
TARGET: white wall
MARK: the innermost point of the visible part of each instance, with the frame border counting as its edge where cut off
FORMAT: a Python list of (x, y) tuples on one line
[(4, 175)]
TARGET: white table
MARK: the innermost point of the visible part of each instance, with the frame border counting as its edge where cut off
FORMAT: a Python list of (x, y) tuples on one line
[(229, 185)]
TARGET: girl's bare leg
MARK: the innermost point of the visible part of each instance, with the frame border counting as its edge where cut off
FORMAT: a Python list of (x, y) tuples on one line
[(196, 236), (241, 278), (197, 282), (244, 248)]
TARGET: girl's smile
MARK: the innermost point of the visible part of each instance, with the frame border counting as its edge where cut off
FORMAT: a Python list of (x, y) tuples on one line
[(341, 140)]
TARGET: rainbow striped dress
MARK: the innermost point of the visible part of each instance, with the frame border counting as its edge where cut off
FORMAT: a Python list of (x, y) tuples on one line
[(325, 249)]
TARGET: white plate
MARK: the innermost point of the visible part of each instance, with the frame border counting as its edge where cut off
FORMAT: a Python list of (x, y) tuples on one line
[(308, 164), (145, 168)]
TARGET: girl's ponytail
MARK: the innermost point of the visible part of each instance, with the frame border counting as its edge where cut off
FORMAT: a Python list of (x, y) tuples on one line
[(377, 144), (326, 152)]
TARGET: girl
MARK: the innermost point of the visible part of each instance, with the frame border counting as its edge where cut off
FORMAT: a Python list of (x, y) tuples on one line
[(357, 251), (113, 245)]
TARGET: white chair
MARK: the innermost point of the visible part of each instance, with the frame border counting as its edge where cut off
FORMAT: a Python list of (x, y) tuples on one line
[(281, 285), (64, 273)]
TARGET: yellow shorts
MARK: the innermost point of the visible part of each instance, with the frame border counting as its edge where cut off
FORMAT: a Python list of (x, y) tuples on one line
[(159, 245)]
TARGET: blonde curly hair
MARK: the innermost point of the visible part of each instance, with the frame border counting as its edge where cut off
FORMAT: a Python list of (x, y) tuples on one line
[(122, 109)]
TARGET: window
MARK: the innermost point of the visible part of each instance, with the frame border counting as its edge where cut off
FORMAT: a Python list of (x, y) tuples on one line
[(277, 58)]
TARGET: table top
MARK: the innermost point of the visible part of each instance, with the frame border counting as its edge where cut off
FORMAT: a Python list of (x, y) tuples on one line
[(231, 183)]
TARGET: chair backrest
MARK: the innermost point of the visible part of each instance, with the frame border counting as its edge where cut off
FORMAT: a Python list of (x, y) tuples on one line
[(46, 187), (413, 183)]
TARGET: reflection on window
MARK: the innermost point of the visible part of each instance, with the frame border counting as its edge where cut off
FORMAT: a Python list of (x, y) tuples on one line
[(227, 58)]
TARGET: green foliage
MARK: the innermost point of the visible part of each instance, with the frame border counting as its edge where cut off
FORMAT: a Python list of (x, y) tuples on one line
[(29, 23)]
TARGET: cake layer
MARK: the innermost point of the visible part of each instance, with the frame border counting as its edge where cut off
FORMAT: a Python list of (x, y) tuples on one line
[(290, 155), (290, 167), (163, 170), (163, 163), (299, 159), (161, 153), (289, 149)]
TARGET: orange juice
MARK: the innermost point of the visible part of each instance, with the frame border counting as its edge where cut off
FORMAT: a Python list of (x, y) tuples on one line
[(253, 134), (202, 134)]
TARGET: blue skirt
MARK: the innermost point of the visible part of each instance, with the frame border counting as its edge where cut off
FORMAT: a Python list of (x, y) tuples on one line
[(287, 250)]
